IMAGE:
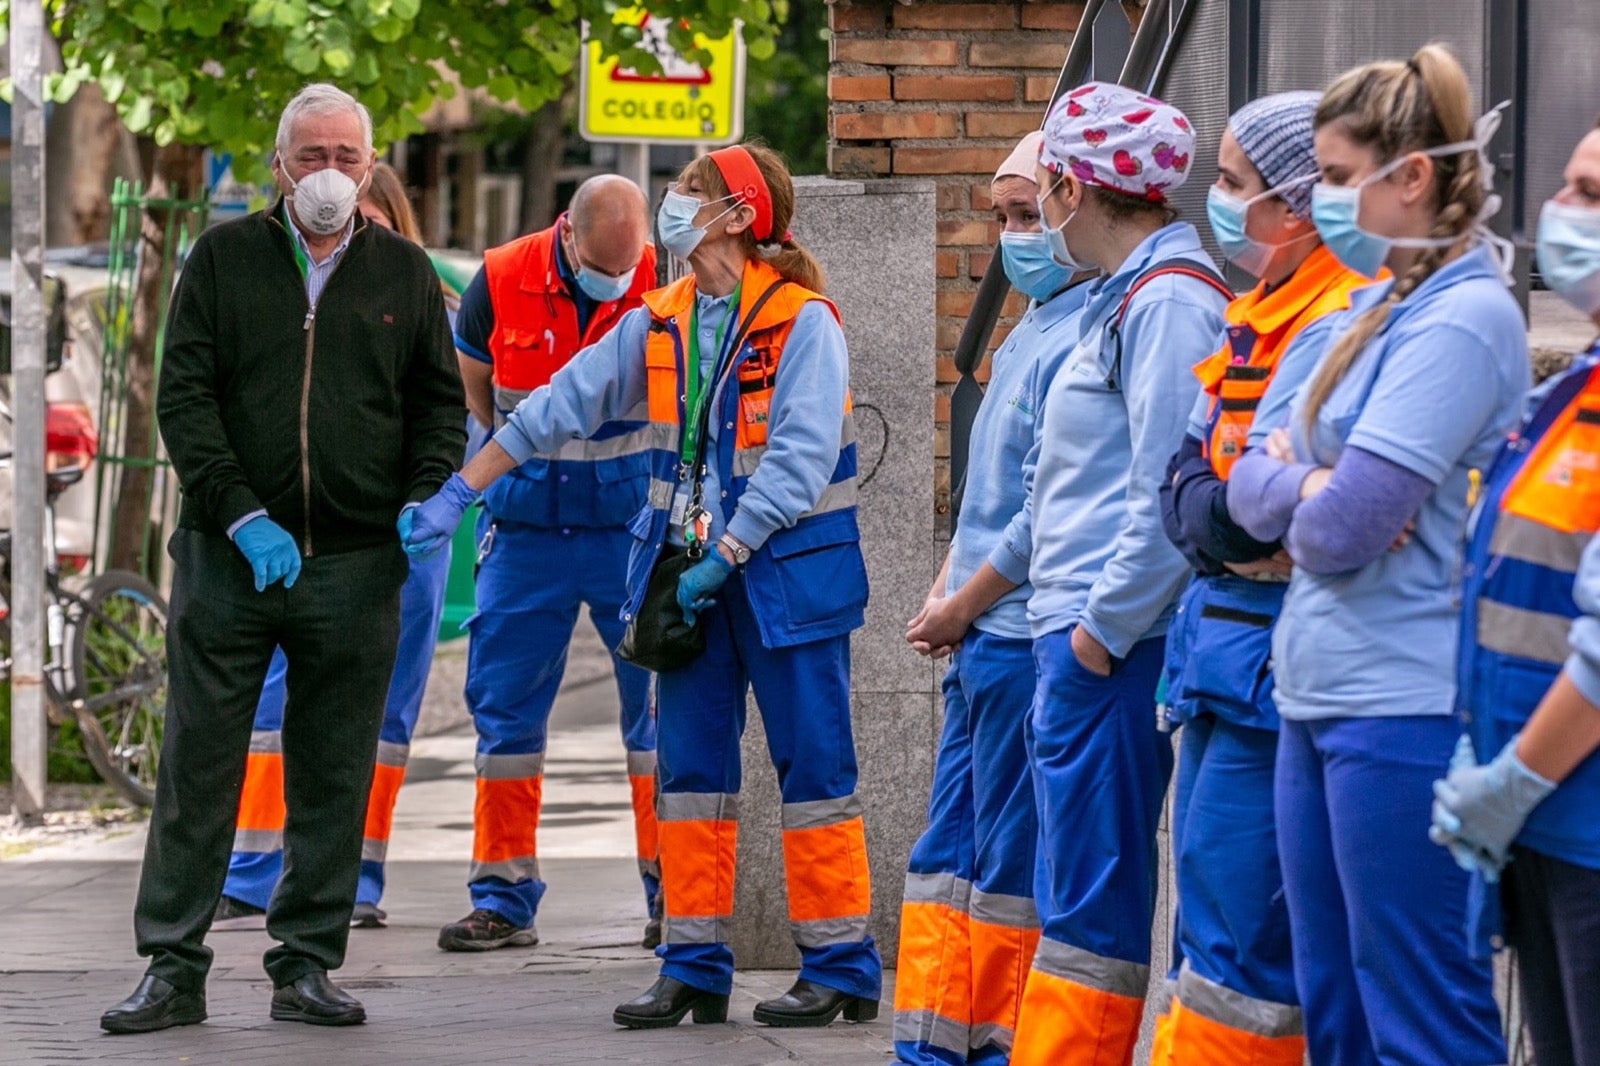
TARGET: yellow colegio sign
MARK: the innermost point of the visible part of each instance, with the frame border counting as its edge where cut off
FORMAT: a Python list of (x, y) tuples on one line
[(684, 103)]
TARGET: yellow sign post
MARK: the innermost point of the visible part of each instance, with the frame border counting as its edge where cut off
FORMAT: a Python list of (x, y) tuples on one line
[(685, 103)]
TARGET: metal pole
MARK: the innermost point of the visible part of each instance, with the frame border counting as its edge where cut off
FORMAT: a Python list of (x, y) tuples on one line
[(633, 162), (29, 728)]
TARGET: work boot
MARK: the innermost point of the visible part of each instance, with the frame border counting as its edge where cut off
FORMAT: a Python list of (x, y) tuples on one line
[(235, 914), (667, 1002), (156, 1004), (368, 916), (485, 930), (809, 1004), (317, 1001), (652, 935)]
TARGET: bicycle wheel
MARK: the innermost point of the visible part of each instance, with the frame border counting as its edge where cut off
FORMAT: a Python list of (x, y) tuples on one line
[(119, 670)]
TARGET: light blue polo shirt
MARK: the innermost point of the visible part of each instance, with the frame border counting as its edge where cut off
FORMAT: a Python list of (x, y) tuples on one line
[(1436, 391)]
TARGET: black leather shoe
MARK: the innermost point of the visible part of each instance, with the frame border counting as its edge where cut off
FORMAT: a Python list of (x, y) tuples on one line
[(318, 1001), (155, 1005), (667, 1002), (810, 1004)]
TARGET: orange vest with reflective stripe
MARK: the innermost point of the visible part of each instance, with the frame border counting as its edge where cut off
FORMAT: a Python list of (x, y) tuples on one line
[(1268, 322)]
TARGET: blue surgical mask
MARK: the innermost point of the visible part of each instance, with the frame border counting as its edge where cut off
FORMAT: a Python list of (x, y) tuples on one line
[(1229, 217), (675, 226), (1030, 265), (1568, 248), (1335, 209), (602, 288), (1056, 239)]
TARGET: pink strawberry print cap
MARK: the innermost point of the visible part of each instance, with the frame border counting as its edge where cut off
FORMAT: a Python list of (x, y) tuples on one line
[(1111, 136)]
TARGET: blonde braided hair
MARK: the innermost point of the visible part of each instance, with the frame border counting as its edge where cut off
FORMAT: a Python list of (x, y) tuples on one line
[(1395, 108)]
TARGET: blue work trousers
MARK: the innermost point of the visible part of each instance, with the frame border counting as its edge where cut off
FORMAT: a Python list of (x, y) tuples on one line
[(1377, 911), (257, 859), (969, 923), (531, 582)]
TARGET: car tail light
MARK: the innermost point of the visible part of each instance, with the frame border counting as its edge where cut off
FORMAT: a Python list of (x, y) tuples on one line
[(69, 436)]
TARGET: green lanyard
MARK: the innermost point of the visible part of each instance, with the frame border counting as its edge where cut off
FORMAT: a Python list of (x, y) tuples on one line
[(695, 398), (294, 244)]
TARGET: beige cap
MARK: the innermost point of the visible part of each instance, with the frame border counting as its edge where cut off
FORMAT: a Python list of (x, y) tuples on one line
[(1020, 163)]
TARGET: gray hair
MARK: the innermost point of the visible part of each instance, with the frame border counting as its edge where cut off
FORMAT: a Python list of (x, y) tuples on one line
[(321, 99)]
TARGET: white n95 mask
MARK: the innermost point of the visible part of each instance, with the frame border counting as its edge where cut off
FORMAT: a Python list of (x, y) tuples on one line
[(324, 200)]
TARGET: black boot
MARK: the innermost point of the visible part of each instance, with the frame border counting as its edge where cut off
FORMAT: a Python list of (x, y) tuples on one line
[(810, 1004), (155, 1005), (316, 1000), (667, 1002)]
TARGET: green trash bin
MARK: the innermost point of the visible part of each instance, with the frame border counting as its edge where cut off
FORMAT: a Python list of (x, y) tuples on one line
[(460, 599)]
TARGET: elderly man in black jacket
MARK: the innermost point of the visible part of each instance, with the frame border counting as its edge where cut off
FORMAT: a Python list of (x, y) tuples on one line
[(308, 397)]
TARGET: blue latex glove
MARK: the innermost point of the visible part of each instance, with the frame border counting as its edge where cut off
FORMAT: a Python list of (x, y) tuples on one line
[(428, 526), (269, 549), (697, 584), (1481, 809)]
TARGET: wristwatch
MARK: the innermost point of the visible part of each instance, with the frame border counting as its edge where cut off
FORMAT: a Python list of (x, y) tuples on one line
[(740, 553)]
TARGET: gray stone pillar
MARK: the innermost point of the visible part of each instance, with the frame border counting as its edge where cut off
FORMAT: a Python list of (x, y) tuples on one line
[(875, 240)]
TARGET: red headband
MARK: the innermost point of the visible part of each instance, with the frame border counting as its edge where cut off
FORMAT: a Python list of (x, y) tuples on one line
[(743, 178)]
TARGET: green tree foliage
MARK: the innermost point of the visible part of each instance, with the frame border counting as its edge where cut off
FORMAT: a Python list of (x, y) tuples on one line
[(218, 73), (786, 93)]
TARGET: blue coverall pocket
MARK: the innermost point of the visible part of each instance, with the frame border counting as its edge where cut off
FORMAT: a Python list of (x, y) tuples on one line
[(813, 577), (1228, 668)]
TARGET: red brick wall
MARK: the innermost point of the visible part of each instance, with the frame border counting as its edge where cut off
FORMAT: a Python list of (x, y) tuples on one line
[(943, 89)]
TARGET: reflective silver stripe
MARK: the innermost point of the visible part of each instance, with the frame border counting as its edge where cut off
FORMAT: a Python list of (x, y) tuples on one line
[(641, 763), (716, 930), (266, 742), (932, 1030), (373, 850), (393, 754), (697, 807), (1235, 1010), (745, 460), (1520, 538), (512, 871), (258, 841), (661, 493), (948, 889), (992, 1034), (836, 497), (650, 868), (993, 908), (1529, 634), (816, 813), (1161, 999), (826, 931), (509, 767), (1081, 967), (635, 442)]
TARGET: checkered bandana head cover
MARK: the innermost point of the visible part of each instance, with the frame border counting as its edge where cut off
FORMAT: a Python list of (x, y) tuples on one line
[(1275, 134), (1110, 136)]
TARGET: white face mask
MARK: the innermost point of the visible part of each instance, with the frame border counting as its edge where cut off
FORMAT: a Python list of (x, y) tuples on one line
[(1055, 238), (324, 199)]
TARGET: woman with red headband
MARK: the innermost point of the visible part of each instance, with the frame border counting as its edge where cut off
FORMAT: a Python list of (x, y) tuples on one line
[(740, 372)]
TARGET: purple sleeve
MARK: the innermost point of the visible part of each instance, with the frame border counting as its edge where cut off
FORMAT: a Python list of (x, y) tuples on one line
[(1263, 494), (1358, 514)]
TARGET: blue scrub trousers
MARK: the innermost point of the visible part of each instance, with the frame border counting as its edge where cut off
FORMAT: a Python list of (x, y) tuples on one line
[(1552, 919), (969, 923), (803, 694), (1377, 911), (530, 586), (252, 874)]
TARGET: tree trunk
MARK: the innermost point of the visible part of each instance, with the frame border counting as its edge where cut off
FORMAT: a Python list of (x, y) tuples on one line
[(541, 162), (176, 174), (86, 146)]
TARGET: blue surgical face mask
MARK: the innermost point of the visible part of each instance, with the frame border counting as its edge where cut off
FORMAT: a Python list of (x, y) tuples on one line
[(1056, 239), (1229, 217), (675, 226), (602, 288), (1030, 265), (1568, 248)]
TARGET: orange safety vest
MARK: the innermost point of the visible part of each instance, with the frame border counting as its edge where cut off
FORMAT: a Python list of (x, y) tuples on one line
[(1261, 326)]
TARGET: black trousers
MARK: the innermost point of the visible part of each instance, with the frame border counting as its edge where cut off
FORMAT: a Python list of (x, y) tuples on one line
[(338, 627), (1552, 919)]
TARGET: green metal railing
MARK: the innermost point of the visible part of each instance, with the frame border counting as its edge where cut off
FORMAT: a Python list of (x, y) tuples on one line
[(181, 221)]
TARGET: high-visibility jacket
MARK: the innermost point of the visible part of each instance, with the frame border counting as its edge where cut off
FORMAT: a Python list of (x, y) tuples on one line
[(600, 481), (808, 581), (1222, 637), (1539, 509)]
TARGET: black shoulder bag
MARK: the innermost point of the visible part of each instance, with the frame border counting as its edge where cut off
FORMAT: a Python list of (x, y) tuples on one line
[(658, 638)]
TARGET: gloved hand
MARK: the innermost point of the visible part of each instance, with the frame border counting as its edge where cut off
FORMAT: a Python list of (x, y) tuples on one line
[(269, 549), (1480, 809), (697, 584), (428, 526)]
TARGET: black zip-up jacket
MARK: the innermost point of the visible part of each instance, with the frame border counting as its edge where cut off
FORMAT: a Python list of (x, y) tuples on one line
[(329, 419)]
